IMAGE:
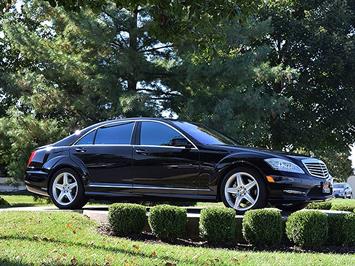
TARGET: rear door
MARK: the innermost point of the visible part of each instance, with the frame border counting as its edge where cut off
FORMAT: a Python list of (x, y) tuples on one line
[(107, 155)]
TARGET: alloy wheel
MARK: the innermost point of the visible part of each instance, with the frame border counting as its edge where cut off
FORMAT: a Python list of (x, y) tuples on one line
[(64, 188), (241, 191)]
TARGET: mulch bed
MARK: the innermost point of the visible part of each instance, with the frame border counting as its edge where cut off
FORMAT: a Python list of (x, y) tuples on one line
[(148, 237)]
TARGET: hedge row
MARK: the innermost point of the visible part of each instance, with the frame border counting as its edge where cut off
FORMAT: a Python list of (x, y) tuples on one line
[(264, 227), (167, 222), (333, 205)]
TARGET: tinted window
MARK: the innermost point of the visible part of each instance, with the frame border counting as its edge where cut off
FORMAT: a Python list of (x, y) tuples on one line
[(203, 134), (119, 134), (87, 139), (153, 133)]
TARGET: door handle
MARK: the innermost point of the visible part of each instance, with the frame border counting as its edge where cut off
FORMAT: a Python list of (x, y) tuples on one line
[(80, 150), (141, 151)]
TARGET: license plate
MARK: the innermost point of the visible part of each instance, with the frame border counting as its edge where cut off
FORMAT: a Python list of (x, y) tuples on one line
[(326, 187)]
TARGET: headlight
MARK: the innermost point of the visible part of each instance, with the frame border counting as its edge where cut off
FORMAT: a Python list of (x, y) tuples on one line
[(284, 165)]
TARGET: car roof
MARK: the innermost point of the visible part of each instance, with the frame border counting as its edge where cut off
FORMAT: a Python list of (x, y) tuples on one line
[(73, 137)]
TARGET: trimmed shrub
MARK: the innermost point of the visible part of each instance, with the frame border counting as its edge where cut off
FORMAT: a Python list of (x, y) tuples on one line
[(307, 228), (336, 229), (218, 225), (167, 222), (263, 227), (126, 218), (4, 203), (343, 207), (349, 229), (323, 205)]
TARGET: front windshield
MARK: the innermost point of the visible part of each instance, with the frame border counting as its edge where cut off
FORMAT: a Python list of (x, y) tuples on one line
[(204, 135), (338, 185)]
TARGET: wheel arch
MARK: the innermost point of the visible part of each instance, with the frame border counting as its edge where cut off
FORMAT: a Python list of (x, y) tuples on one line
[(66, 163), (223, 171)]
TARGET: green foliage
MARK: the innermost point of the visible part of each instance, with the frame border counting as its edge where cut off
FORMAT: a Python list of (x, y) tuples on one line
[(349, 229), (344, 206), (126, 219), (218, 225), (315, 39), (323, 205), (20, 134), (263, 227), (4, 203), (336, 232), (307, 228), (281, 67), (167, 222)]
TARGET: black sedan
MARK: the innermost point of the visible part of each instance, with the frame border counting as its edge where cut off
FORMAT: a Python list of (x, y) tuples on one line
[(147, 158)]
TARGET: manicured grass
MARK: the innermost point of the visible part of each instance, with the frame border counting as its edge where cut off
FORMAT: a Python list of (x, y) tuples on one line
[(23, 200), (65, 238)]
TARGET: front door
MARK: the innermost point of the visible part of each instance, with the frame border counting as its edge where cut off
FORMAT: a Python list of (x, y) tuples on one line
[(165, 162)]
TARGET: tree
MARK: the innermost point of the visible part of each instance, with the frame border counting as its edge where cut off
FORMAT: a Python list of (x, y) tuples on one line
[(315, 38), (81, 64)]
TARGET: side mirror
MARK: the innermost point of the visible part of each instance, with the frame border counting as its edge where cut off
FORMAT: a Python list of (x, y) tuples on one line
[(181, 142)]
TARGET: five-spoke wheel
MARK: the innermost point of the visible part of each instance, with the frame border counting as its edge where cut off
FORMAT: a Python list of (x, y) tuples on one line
[(243, 189), (66, 190)]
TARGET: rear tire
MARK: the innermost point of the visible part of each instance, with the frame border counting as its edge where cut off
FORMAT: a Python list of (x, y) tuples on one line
[(66, 190), (292, 207), (243, 189)]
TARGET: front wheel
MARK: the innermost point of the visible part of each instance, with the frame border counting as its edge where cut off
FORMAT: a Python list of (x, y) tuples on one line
[(66, 190), (243, 189)]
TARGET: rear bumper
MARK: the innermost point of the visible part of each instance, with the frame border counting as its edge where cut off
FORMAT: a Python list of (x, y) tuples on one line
[(37, 181), (299, 188)]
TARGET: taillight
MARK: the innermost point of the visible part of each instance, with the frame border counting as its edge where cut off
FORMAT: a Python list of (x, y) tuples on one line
[(31, 158)]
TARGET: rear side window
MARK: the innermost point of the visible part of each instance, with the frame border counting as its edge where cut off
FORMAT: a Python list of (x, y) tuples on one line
[(87, 139), (118, 134), (153, 133)]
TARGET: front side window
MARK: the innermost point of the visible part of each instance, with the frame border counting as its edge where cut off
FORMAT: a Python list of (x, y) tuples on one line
[(117, 134), (204, 135), (153, 133)]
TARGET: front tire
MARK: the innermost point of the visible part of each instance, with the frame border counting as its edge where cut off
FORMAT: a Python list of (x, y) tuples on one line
[(66, 190), (243, 189)]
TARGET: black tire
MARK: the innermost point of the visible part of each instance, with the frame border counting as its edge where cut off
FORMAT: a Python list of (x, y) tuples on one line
[(262, 198), (292, 207), (79, 200)]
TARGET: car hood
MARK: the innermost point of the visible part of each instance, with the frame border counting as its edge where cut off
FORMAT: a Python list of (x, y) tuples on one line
[(264, 152)]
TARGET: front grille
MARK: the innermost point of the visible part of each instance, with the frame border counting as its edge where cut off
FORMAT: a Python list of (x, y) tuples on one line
[(316, 167)]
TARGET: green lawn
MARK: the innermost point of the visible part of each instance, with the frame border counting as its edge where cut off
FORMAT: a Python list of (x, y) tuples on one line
[(23, 200), (28, 200), (70, 239)]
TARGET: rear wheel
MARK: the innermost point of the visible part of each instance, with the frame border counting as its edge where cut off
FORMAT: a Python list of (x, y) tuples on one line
[(66, 190), (243, 189)]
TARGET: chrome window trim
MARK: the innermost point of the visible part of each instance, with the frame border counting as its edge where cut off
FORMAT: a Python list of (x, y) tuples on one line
[(112, 124), (135, 123), (131, 145)]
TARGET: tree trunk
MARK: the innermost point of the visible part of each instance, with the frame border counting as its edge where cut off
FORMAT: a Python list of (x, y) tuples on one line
[(133, 46)]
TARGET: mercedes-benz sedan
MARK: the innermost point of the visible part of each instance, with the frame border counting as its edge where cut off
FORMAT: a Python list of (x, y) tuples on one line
[(146, 158)]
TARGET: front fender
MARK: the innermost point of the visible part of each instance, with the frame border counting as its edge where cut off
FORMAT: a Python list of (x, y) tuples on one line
[(241, 159)]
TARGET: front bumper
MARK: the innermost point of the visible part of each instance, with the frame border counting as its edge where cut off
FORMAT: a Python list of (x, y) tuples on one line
[(296, 188)]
